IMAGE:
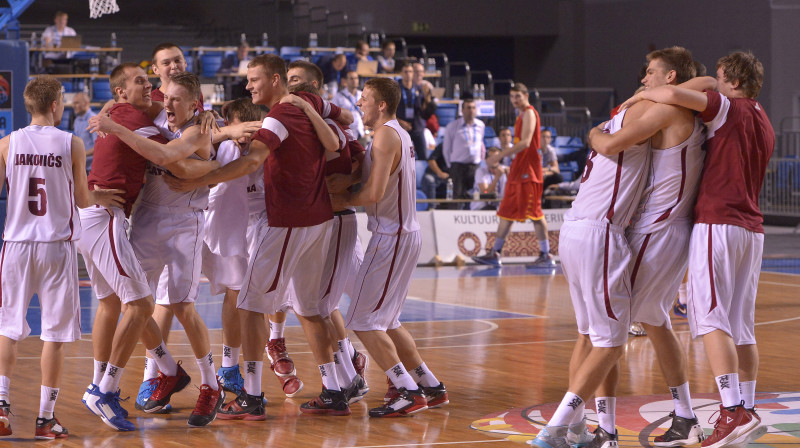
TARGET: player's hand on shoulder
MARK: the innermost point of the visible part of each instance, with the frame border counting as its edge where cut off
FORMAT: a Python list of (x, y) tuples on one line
[(294, 100), (243, 130), (108, 197), (207, 120), (102, 124), (631, 101)]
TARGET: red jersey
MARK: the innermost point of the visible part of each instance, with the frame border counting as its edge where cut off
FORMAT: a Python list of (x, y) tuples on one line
[(157, 95), (739, 144), (115, 164), (527, 164), (294, 173)]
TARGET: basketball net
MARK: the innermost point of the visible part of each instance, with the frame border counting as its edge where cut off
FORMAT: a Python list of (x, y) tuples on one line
[(99, 7)]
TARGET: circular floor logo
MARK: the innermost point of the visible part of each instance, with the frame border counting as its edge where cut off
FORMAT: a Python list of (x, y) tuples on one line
[(639, 419)]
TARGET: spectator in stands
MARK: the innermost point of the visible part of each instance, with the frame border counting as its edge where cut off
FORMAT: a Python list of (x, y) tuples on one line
[(333, 71), (51, 37), (419, 76), (361, 54), (490, 182), (550, 171), (232, 62), (80, 105), (506, 141), (347, 98), (386, 62), (416, 106), (434, 181), (463, 148)]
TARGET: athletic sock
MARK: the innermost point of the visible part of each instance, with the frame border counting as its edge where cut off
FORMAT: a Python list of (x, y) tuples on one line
[(347, 370), (606, 413), (5, 387), (578, 417), (110, 381), (230, 356), (747, 389), (566, 410), (682, 401), (276, 329), (400, 377), (208, 374), (47, 401), (163, 358), (728, 386), (99, 370), (252, 377), (341, 375), (498, 244), (423, 375), (351, 351), (544, 246), (330, 380), (150, 369), (682, 293)]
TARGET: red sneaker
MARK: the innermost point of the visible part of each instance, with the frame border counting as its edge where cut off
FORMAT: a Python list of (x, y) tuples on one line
[(244, 407), (436, 396), (732, 424), (50, 429), (361, 362), (391, 393), (407, 402), (291, 385), (208, 403), (167, 385), (280, 361), (329, 402), (5, 425)]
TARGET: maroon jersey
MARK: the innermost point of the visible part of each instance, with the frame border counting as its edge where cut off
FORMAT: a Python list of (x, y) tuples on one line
[(740, 143), (157, 95), (115, 164), (294, 173)]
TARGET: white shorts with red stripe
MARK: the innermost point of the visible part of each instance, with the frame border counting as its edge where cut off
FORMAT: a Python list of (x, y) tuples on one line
[(382, 283), (164, 237), (223, 272), (658, 263), (49, 270), (596, 258), (110, 260), (724, 266), (341, 263), (283, 254)]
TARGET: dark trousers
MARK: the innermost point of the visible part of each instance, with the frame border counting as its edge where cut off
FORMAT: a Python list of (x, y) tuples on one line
[(463, 175)]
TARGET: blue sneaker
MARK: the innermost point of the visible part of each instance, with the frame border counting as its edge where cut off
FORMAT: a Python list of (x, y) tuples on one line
[(231, 379), (551, 437), (88, 392), (108, 408), (145, 391)]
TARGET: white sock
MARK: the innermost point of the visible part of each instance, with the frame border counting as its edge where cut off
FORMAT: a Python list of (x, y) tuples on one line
[(682, 401), (163, 358), (400, 377), (276, 329), (341, 375), (728, 386), (110, 381), (5, 388), (682, 293), (208, 374), (252, 377), (347, 370), (99, 370), (606, 413), (329, 379), (347, 348), (150, 369), (566, 410), (230, 356), (544, 246), (747, 389), (579, 413), (423, 375), (47, 401)]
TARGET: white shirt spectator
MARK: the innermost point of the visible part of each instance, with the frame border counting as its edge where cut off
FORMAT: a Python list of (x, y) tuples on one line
[(52, 34), (548, 156), (347, 100), (463, 143), (484, 176)]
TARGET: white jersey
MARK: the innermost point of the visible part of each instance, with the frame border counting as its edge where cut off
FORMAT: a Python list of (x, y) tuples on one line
[(672, 185), (156, 192), (255, 191), (396, 212), (227, 213), (612, 186), (41, 201)]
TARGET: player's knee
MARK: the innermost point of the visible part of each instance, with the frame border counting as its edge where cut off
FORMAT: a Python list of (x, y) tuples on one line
[(142, 308), (183, 311)]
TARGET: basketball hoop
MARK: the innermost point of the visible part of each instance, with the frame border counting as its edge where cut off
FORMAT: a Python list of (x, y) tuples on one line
[(99, 7)]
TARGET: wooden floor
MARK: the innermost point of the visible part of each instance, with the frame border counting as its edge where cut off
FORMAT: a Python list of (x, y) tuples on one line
[(488, 365)]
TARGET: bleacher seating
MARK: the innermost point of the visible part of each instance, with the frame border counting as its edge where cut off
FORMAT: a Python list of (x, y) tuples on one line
[(210, 63), (101, 90), (569, 170), (420, 166), (446, 113), (421, 207)]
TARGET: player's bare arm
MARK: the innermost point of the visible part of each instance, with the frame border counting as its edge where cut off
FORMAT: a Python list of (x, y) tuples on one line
[(235, 131), (325, 134), (642, 121), (386, 149), (345, 118), (83, 196), (688, 94), (526, 135), (4, 144), (242, 166)]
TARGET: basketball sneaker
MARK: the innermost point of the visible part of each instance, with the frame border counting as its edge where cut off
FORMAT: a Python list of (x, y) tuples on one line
[(551, 437), (760, 430), (391, 393), (145, 391), (732, 424), (283, 366), (166, 387), (244, 407), (545, 261), (231, 379), (329, 402), (578, 434), (407, 402), (435, 396), (50, 429), (208, 404), (683, 431), (5, 425), (108, 408), (602, 439), (356, 390), (361, 362), (88, 392), (491, 258), (637, 329), (680, 310)]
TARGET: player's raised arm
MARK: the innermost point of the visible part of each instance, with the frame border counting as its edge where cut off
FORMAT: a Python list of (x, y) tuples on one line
[(642, 121)]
